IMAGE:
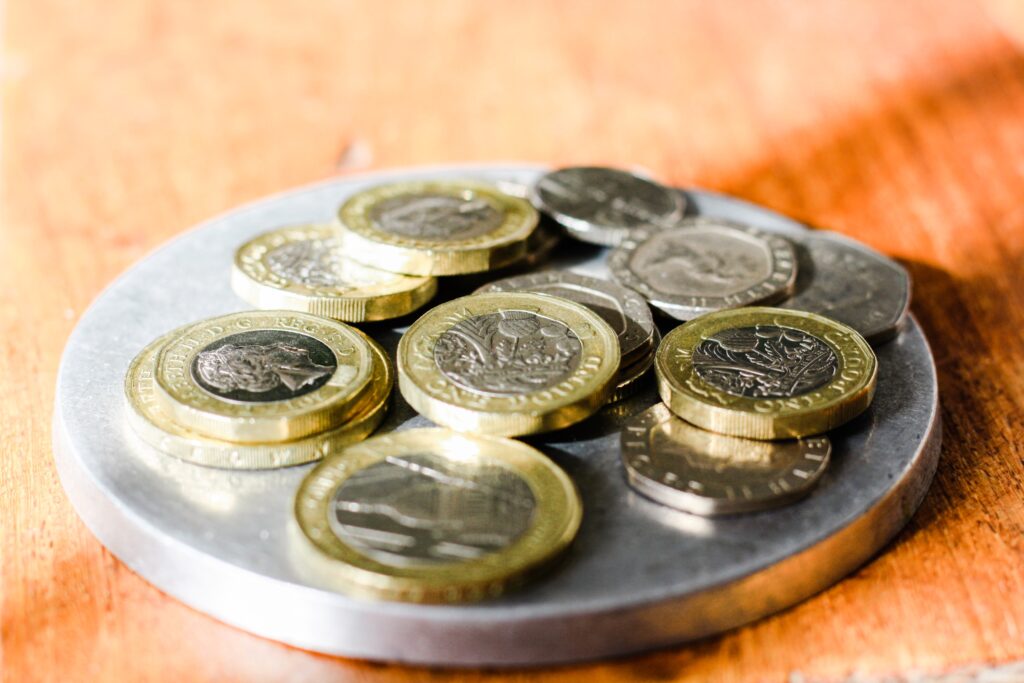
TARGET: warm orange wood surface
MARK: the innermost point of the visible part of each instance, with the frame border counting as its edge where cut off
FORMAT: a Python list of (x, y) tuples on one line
[(901, 123)]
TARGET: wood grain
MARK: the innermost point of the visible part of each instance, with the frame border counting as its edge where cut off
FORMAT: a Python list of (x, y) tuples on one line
[(898, 123)]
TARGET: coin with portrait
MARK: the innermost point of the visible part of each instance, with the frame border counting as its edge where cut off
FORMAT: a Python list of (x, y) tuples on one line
[(508, 363)]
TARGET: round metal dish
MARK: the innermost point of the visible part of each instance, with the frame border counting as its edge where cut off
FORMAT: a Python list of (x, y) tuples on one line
[(639, 576)]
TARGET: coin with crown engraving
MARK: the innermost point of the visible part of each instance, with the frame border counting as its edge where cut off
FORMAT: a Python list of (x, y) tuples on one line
[(155, 427), (436, 227), (603, 205), (847, 281), (766, 373), (705, 265), (265, 376), (669, 460), (304, 268), (508, 363), (433, 515)]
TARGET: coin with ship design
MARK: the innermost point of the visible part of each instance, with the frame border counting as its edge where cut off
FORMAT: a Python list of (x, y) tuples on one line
[(436, 227), (437, 516), (155, 427), (304, 268), (509, 363), (674, 463), (766, 373), (705, 265), (265, 376)]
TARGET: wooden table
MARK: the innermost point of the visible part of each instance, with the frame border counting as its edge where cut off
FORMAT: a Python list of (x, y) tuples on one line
[(901, 123)]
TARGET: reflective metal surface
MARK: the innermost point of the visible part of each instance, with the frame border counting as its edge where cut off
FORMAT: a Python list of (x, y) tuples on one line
[(640, 575)]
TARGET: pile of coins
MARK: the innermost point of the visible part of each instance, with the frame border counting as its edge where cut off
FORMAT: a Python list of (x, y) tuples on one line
[(464, 511)]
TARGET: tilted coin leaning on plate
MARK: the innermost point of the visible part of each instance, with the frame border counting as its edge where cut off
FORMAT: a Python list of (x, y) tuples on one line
[(766, 348)]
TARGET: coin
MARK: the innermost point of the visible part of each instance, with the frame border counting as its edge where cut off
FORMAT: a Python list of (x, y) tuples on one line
[(671, 461), (850, 282), (624, 310), (431, 515), (766, 373), (265, 376), (630, 379), (705, 265), (508, 363), (436, 227), (602, 205), (155, 427), (303, 268)]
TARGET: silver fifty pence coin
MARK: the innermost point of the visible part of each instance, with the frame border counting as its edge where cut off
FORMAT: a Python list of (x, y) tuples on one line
[(847, 281), (602, 205), (705, 265), (676, 464)]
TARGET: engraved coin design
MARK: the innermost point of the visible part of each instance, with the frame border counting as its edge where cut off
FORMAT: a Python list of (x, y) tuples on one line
[(766, 373), (319, 263), (508, 363), (264, 365), (852, 283), (421, 509), (508, 352), (705, 265), (431, 515), (601, 205), (765, 361), (436, 216), (677, 464)]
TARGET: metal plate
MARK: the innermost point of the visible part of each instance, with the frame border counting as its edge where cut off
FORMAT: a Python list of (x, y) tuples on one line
[(639, 576)]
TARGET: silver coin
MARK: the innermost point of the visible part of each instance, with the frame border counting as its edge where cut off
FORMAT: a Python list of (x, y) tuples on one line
[(705, 265), (669, 460), (624, 310), (602, 205), (850, 282)]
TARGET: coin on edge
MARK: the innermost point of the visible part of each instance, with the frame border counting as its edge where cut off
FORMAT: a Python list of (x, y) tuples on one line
[(602, 205), (154, 426), (624, 310), (303, 268), (766, 373), (432, 515), (436, 227), (705, 265), (265, 376), (508, 363), (847, 281), (669, 460)]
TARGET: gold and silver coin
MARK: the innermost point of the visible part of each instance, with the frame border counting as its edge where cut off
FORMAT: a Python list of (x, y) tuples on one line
[(602, 205), (847, 281), (705, 265), (436, 227), (432, 515), (303, 268), (679, 465), (155, 427), (266, 376), (508, 363), (766, 373)]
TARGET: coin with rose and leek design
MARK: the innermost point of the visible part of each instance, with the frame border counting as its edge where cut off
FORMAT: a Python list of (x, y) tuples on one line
[(508, 363), (766, 373)]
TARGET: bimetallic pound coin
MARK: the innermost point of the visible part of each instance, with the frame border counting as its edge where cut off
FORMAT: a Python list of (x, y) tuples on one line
[(431, 515), (847, 281), (436, 227), (602, 205), (508, 363), (266, 376), (155, 427), (303, 268), (624, 310), (671, 461), (766, 373), (705, 265)]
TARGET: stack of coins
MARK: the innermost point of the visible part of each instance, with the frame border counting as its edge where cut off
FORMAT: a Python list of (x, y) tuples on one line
[(464, 512)]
